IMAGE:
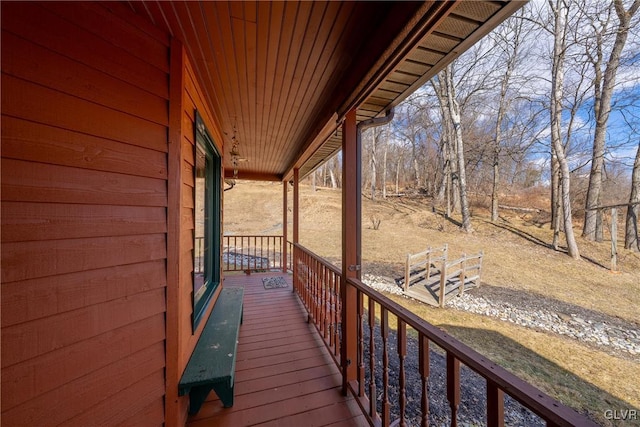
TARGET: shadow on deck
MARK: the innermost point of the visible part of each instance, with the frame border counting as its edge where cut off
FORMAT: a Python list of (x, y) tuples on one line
[(284, 373)]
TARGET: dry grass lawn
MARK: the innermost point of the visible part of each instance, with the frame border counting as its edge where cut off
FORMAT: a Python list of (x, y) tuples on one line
[(518, 257)]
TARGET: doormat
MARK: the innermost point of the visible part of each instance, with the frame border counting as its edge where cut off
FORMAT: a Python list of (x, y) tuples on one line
[(274, 282)]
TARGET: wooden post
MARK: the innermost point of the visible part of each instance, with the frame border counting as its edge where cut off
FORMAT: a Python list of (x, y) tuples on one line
[(463, 265), (614, 239), (428, 266), (407, 272), (284, 248), (296, 222), (296, 205), (443, 281), (351, 235)]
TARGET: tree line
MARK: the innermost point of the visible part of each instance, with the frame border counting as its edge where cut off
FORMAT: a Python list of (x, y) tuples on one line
[(551, 98)]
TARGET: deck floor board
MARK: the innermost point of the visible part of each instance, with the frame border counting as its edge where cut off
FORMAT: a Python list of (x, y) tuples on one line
[(284, 374)]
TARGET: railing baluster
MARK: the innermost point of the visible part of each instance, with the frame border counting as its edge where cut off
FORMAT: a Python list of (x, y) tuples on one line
[(453, 387), (338, 315), (402, 353), (423, 363), (495, 405), (325, 304), (384, 331), (372, 359), (316, 268), (318, 282), (360, 338)]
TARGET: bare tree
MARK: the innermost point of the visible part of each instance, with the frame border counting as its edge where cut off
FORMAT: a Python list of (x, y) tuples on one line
[(604, 84), (633, 210), (559, 10), (450, 184), (509, 40), (451, 113)]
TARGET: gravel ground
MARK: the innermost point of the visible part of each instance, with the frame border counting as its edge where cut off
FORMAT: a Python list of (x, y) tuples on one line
[(471, 411), (601, 331), (607, 333)]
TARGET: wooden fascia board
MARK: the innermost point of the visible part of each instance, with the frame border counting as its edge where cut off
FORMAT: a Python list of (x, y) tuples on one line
[(321, 137), (394, 55), (412, 32), (368, 56), (422, 23), (482, 31)]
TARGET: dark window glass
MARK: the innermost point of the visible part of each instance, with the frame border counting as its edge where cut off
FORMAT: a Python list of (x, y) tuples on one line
[(206, 231)]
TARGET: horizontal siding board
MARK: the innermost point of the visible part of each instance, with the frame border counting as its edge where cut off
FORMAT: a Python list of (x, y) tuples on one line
[(58, 72), (84, 215), (120, 33), (36, 182), (32, 22), (187, 197), (154, 28), (187, 174), (187, 222), (36, 103), (27, 140), (32, 299), (129, 402), (196, 96), (49, 221), (28, 340), (35, 377), (73, 255), (152, 415), (187, 147), (84, 393)]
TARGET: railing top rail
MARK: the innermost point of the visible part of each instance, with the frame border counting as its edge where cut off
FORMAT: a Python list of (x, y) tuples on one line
[(525, 393), (252, 235), (327, 264)]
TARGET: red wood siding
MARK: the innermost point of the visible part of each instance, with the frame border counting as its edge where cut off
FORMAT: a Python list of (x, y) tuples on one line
[(85, 90), (181, 340)]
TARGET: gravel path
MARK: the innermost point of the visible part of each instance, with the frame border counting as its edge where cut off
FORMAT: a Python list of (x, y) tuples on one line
[(604, 332), (607, 333)]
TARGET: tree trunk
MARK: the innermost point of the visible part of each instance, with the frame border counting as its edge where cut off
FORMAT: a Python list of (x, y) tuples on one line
[(631, 240), (384, 171), (494, 190), (332, 174), (513, 46), (602, 108), (555, 194), (373, 163), (398, 175), (454, 115), (557, 80)]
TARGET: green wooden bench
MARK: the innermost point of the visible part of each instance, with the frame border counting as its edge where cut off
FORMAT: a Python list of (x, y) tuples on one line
[(213, 361)]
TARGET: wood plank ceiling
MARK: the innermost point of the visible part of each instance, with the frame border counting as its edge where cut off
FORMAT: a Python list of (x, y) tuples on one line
[(281, 75)]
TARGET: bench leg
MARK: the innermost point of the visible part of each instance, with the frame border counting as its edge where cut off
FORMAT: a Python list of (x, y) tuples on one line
[(199, 394), (225, 393)]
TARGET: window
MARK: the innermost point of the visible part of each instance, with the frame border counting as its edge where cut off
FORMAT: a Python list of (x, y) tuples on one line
[(206, 231)]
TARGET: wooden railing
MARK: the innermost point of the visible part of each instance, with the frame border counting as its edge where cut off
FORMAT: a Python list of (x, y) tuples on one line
[(375, 385), (318, 284), (255, 253)]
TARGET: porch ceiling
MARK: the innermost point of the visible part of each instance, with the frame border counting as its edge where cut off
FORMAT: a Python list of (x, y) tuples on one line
[(283, 74)]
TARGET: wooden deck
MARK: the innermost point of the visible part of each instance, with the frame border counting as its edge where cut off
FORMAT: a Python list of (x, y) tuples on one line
[(284, 374)]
